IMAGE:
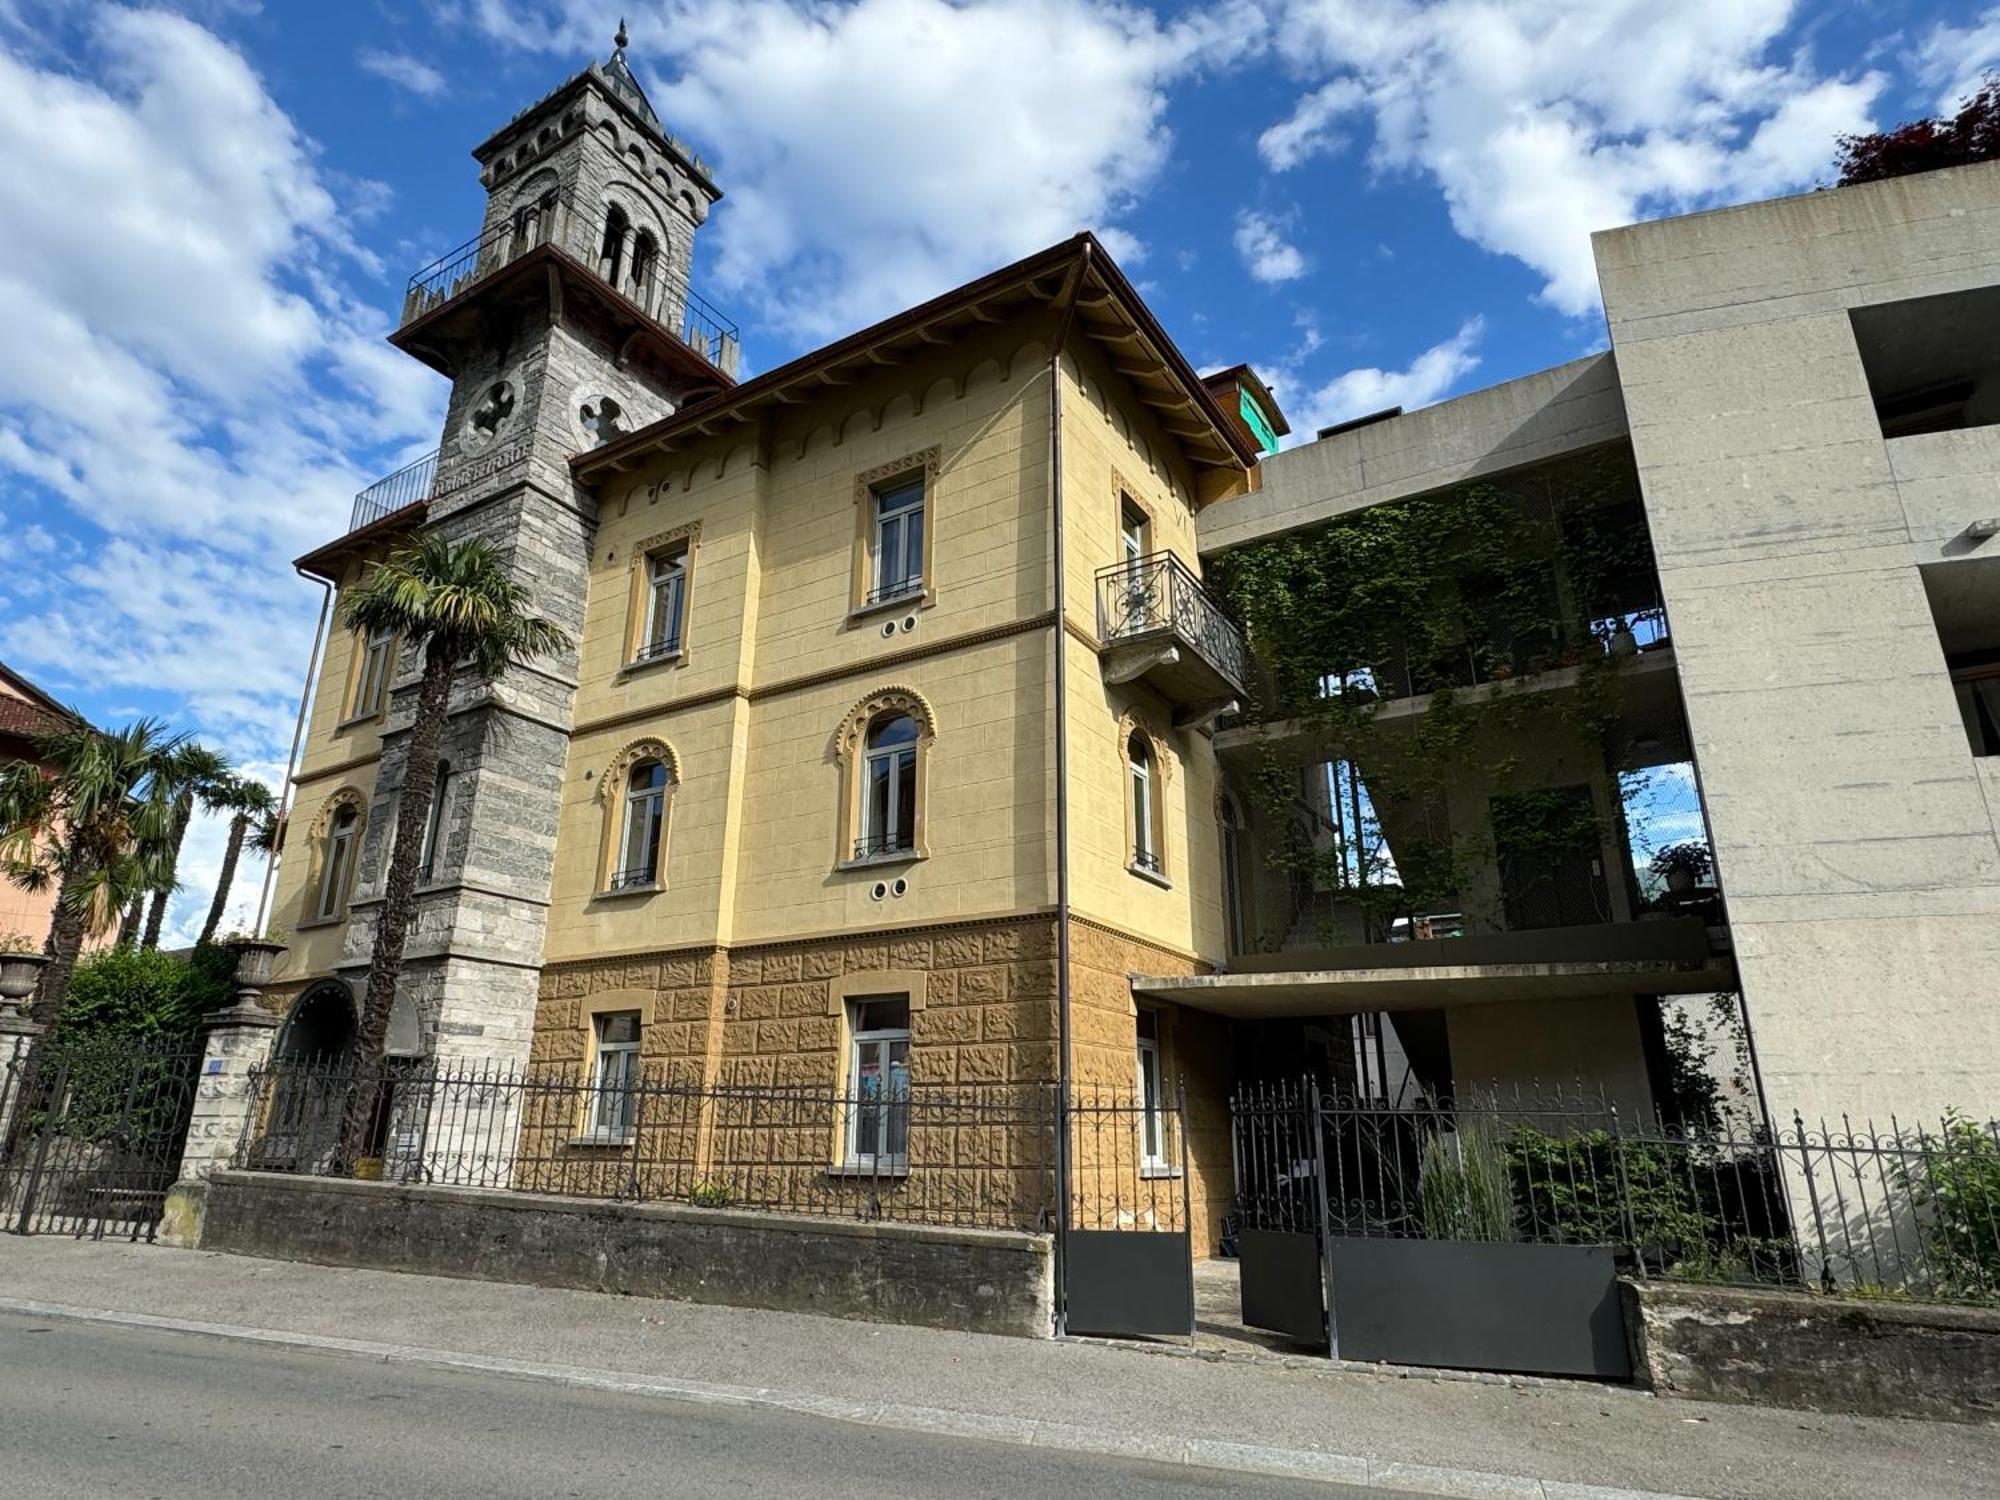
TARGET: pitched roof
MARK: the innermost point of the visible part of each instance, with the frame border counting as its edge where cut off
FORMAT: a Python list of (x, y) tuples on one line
[(1078, 272), (32, 714)]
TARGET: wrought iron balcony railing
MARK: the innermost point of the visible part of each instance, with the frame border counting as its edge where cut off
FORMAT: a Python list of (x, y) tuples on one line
[(586, 237), (882, 845), (408, 485), (1158, 597)]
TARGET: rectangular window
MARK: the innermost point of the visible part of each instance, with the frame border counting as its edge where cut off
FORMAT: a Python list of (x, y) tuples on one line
[(1132, 530), (896, 547), (1933, 363), (373, 685), (434, 825), (1964, 597), (1978, 690), (878, 1084), (666, 604), (617, 1073), (339, 863), (1153, 1126)]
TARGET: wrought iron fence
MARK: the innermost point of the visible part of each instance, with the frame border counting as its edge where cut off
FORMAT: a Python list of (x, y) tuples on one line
[(977, 1156), (581, 234), (408, 485), (1904, 1212), (94, 1127), (1158, 593)]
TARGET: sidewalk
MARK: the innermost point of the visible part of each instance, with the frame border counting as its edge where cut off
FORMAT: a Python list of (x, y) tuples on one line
[(1453, 1437)]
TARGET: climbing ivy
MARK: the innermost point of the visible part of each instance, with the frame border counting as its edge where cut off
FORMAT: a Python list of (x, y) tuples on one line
[(1402, 637)]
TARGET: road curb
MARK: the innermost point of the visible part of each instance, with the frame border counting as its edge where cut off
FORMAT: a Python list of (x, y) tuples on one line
[(1202, 1453)]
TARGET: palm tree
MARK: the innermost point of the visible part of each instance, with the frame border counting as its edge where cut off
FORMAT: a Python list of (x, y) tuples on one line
[(459, 604), (249, 802), (92, 817), (198, 774)]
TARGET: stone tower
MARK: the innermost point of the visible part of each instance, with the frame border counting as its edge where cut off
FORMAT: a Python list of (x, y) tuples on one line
[(568, 321)]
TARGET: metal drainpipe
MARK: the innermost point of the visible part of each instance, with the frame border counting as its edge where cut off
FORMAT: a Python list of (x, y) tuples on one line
[(298, 734), (1063, 1078)]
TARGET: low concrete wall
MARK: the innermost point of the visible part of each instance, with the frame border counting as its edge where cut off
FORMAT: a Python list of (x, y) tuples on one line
[(1832, 1354), (986, 1281)]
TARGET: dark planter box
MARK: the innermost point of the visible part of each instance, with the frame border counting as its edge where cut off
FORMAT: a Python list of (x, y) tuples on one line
[(1281, 1283), (1527, 1309)]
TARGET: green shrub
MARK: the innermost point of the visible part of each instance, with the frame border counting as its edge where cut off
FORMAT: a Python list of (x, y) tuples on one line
[(142, 992), (1959, 1183), (1590, 1189), (710, 1195)]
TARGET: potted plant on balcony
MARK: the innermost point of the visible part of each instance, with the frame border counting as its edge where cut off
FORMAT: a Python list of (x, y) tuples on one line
[(1684, 865), (21, 963)]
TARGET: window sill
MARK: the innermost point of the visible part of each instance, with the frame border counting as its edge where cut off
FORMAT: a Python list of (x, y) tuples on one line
[(626, 892), (1152, 877), (310, 923), (601, 1138), (1159, 1174), (886, 858), (357, 722), (853, 1172), (651, 663), (914, 599)]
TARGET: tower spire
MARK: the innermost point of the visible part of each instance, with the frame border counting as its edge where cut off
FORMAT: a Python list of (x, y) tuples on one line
[(619, 42)]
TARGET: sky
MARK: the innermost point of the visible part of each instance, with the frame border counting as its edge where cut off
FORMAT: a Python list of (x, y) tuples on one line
[(210, 209)]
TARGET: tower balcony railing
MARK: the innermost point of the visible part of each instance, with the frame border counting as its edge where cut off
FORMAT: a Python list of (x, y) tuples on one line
[(405, 487), (1156, 621), (585, 237)]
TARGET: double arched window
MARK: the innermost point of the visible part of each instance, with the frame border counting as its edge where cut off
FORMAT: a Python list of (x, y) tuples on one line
[(885, 749), (611, 252), (645, 265), (638, 791)]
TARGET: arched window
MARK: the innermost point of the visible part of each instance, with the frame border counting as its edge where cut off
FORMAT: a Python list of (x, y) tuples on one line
[(645, 263), (337, 863), (1144, 794), (1233, 915), (889, 787), (643, 822), (611, 254)]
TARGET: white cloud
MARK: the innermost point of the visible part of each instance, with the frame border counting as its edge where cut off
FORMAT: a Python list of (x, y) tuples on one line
[(1360, 392), (1543, 120), (1308, 131), (1270, 257), (406, 72), (189, 396), (877, 152), (1956, 59)]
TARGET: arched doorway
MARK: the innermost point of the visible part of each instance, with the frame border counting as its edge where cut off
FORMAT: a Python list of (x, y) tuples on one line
[(320, 1030)]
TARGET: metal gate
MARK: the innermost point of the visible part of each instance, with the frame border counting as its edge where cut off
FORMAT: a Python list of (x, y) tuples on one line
[(93, 1133), (1127, 1252)]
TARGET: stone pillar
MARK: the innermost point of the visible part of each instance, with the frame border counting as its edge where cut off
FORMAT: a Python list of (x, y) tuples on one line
[(19, 973), (237, 1042)]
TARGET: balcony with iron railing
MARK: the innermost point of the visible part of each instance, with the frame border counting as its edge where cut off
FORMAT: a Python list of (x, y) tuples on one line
[(644, 280), (1156, 622), (405, 487)]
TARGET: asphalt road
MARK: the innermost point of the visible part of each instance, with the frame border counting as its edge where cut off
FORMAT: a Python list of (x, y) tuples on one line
[(112, 1412)]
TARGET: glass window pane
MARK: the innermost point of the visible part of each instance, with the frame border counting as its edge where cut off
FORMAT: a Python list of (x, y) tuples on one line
[(904, 826)]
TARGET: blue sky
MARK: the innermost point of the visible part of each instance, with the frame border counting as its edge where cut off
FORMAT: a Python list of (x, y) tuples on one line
[(210, 209)]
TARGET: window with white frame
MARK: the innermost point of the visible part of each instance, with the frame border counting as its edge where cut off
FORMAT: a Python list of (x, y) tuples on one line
[(666, 603), (644, 821), (616, 1074), (888, 787), (376, 649), (1145, 822), (1132, 530), (434, 824), (339, 863), (896, 542), (878, 1083), (1154, 1153)]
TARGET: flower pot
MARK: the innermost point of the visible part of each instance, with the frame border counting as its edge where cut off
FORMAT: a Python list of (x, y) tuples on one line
[(1624, 643), (1680, 882), (19, 974)]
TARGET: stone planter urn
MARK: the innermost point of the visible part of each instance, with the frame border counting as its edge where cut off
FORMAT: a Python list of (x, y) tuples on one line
[(255, 959), (19, 974)]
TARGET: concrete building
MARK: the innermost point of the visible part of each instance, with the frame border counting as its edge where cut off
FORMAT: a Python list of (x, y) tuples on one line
[(903, 742)]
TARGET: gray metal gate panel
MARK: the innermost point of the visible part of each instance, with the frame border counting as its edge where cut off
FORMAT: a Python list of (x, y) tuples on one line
[(1129, 1281), (1532, 1309), (1282, 1289)]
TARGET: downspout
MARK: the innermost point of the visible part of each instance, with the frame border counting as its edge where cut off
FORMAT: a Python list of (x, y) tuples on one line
[(1061, 632), (298, 735)]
